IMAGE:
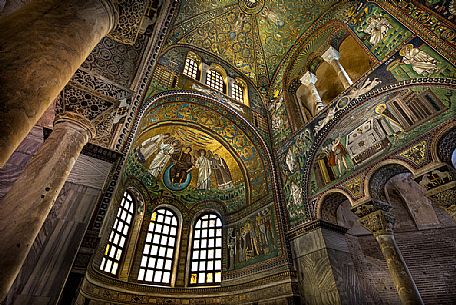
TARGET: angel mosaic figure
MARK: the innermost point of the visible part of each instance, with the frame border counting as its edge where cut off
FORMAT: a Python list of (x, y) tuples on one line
[(162, 157), (421, 62), (377, 28)]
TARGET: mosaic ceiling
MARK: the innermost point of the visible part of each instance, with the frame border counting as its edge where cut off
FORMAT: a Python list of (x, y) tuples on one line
[(252, 35)]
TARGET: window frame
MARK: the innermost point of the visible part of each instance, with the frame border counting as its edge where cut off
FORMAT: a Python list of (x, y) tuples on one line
[(191, 65), (238, 92), (206, 260), (112, 236), (149, 255), (211, 82)]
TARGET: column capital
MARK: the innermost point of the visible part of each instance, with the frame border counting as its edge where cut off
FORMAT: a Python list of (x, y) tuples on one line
[(309, 79), (78, 120), (330, 55), (376, 216)]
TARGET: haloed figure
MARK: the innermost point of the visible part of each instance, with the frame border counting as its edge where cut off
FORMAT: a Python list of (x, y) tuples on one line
[(183, 163), (203, 164)]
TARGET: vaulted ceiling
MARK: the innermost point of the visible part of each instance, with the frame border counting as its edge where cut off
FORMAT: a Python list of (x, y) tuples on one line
[(252, 35)]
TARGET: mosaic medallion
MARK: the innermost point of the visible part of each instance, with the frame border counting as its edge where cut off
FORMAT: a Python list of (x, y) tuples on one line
[(251, 6)]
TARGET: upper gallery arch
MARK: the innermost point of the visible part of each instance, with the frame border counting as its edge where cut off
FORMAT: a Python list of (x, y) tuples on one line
[(253, 36), (174, 58)]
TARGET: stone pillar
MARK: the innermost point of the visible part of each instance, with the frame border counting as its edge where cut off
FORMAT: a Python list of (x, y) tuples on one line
[(41, 46), (376, 217), (131, 248), (324, 266), (439, 182), (309, 80), (332, 56), (26, 206)]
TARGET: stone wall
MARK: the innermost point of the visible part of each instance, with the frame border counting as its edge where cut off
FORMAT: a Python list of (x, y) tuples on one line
[(48, 263), (431, 258)]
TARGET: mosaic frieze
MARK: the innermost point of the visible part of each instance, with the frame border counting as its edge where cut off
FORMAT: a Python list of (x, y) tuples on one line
[(379, 126), (253, 240), (379, 31)]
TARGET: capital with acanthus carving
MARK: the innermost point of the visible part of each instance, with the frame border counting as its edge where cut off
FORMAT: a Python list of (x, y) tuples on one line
[(376, 216)]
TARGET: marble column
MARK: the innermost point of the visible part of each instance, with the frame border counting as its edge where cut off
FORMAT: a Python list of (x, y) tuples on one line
[(27, 204), (41, 46), (309, 80), (376, 216), (332, 57)]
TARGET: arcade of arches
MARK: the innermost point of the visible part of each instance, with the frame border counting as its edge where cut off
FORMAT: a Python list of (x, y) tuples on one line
[(227, 152)]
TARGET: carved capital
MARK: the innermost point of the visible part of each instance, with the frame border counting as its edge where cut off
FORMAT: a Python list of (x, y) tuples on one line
[(375, 216), (131, 16), (89, 106), (78, 120), (330, 55), (309, 79)]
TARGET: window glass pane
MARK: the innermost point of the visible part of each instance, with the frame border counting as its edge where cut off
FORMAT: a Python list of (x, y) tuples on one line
[(141, 275), (161, 238), (191, 68), (118, 235), (206, 259), (215, 80), (168, 264), (166, 230), (158, 275), (237, 92), (166, 277)]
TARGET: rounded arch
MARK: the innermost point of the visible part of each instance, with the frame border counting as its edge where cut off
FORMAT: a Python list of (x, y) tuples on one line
[(328, 204), (209, 207), (218, 138), (242, 84), (379, 175), (211, 57), (139, 193), (444, 145), (328, 122), (184, 97)]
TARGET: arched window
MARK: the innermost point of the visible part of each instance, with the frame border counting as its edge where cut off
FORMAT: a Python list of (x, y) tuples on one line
[(238, 92), (119, 234), (192, 63), (206, 256), (158, 254), (215, 80)]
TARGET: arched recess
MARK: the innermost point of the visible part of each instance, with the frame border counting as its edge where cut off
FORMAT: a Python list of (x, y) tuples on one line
[(328, 204), (173, 57), (335, 207), (445, 146), (377, 179), (306, 57), (392, 183), (198, 108)]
